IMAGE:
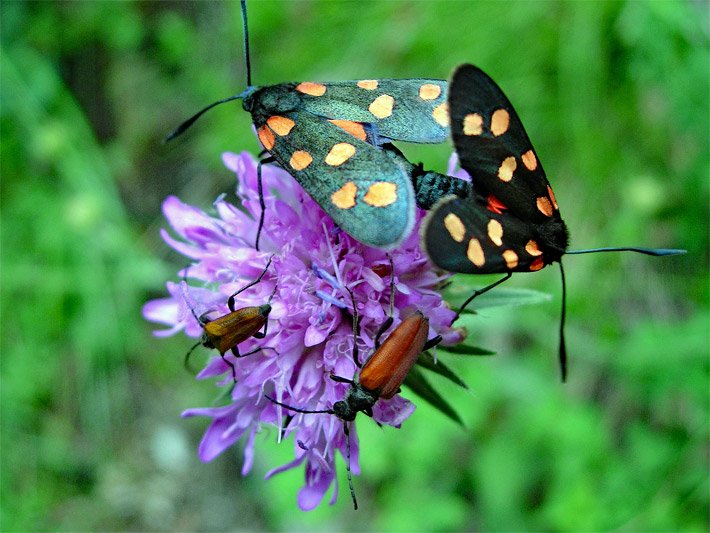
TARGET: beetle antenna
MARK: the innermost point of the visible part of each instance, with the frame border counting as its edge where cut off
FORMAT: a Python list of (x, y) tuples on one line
[(346, 430), (297, 409)]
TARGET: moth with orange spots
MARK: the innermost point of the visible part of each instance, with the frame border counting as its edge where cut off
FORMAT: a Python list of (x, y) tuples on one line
[(329, 136), (333, 138), (511, 221)]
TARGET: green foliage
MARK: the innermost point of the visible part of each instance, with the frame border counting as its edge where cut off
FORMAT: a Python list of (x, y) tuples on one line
[(615, 98)]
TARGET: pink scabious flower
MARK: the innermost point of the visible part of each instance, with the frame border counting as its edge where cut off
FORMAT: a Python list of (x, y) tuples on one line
[(310, 331)]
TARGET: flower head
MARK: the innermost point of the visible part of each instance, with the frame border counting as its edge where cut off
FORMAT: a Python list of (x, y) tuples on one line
[(310, 332)]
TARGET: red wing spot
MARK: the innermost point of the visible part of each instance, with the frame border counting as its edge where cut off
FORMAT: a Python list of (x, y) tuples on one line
[(495, 205), (537, 264)]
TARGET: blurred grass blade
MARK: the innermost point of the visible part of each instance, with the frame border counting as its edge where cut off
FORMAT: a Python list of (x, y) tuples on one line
[(426, 360), (422, 388), (466, 349), (458, 292)]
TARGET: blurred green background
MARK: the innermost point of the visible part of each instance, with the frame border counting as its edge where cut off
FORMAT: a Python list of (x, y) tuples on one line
[(615, 98)]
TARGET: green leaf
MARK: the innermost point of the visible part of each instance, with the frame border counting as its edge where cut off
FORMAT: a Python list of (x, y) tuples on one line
[(466, 349), (426, 360), (422, 388), (457, 294)]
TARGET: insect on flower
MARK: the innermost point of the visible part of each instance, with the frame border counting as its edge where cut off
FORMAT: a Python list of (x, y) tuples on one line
[(382, 374), (511, 221), (334, 139), (226, 332)]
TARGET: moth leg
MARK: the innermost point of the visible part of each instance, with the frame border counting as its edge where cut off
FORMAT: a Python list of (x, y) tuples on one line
[(478, 293), (262, 204)]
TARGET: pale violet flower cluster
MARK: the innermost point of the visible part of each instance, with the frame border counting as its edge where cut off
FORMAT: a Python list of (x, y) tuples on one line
[(310, 331)]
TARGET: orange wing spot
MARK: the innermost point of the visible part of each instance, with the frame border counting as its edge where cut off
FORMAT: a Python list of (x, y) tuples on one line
[(500, 122), (537, 264), (266, 136), (368, 85), (506, 169), (344, 198), (441, 115), (281, 126), (472, 124), (544, 206), (300, 160), (429, 91), (382, 106), (511, 259), (381, 194), (495, 205), (311, 89), (552, 197), (529, 160), (353, 128), (339, 154), (455, 227), (495, 231), (475, 253), (532, 248)]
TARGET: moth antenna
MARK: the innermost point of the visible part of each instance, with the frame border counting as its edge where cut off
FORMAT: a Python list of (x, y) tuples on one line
[(346, 430), (563, 314), (478, 292), (648, 251), (247, 57), (190, 121)]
